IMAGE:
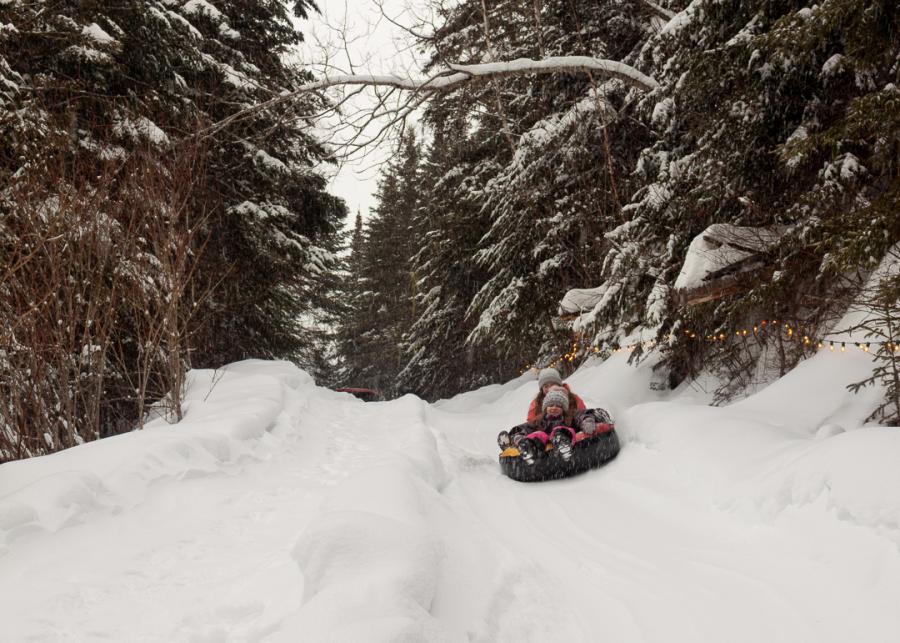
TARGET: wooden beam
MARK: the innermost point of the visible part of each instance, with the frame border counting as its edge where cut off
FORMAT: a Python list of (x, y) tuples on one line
[(724, 286)]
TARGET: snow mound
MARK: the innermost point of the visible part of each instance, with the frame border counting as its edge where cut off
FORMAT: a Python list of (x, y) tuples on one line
[(491, 394), (367, 577), (371, 560), (278, 511), (226, 413), (761, 466)]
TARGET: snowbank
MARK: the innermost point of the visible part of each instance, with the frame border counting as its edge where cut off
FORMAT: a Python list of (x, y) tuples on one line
[(227, 412), (743, 464), (281, 511), (372, 560), (799, 441)]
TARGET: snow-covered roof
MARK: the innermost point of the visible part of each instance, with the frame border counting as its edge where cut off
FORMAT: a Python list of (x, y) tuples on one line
[(722, 246), (580, 300)]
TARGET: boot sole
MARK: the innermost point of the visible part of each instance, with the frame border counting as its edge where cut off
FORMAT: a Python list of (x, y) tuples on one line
[(564, 450)]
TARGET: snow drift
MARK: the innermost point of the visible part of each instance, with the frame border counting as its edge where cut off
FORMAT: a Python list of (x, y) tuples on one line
[(281, 511)]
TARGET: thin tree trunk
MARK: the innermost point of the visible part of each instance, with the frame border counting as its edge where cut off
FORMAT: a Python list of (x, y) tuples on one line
[(500, 110)]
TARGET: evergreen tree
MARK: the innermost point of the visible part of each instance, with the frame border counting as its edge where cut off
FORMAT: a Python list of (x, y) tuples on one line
[(773, 114), (882, 326), (438, 362), (769, 114), (385, 283), (556, 197), (103, 89), (352, 324), (116, 77), (537, 165)]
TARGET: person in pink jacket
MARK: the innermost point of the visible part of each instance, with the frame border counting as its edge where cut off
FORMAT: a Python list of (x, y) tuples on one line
[(559, 423), (548, 378)]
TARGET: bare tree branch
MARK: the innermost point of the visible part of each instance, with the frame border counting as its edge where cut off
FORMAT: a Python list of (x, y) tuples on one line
[(419, 35)]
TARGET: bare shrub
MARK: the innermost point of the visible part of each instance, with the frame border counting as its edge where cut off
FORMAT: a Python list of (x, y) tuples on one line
[(162, 307), (97, 295)]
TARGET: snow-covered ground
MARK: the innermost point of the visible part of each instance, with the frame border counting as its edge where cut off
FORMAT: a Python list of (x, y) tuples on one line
[(278, 511)]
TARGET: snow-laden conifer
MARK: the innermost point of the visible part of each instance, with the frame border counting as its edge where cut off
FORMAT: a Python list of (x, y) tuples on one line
[(93, 86)]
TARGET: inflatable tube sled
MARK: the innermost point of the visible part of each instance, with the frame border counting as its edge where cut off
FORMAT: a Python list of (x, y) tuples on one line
[(589, 452)]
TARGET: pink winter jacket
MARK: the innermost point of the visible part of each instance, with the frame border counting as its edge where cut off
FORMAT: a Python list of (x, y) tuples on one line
[(534, 410)]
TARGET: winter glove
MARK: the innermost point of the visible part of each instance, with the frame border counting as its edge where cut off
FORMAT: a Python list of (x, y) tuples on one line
[(518, 432), (588, 425), (602, 416)]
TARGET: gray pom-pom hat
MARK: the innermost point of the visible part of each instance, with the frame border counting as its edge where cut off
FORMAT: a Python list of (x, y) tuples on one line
[(557, 396), (548, 376)]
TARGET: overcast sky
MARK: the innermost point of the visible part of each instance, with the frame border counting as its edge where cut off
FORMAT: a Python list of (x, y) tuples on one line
[(376, 46)]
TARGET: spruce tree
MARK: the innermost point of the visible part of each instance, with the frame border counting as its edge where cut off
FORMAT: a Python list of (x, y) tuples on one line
[(559, 193), (545, 175), (351, 326), (438, 362), (149, 73), (106, 89), (775, 115), (881, 328), (385, 283)]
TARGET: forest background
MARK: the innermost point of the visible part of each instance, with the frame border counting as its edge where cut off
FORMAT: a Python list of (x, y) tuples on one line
[(138, 243)]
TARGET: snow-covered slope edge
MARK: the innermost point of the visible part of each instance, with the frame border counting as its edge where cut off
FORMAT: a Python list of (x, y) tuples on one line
[(227, 414), (799, 441), (761, 470)]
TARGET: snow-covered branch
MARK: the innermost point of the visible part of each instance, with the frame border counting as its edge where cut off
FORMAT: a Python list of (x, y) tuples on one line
[(661, 12), (553, 65), (456, 76)]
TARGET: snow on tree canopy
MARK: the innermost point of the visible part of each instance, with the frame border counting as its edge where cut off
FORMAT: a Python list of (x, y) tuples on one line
[(587, 304), (96, 33), (202, 7), (9, 80), (720, 247), (141, 128)]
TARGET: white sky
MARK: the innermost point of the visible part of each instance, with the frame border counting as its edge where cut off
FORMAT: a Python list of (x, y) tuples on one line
[(374, 45)]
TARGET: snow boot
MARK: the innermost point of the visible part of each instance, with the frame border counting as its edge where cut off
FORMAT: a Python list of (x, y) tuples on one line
[(528, 450), (562, 445)]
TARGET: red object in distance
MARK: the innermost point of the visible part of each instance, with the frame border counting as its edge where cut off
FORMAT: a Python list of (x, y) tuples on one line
[(365, 394)]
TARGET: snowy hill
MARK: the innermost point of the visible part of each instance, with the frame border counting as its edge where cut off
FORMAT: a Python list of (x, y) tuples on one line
[(280, 511)]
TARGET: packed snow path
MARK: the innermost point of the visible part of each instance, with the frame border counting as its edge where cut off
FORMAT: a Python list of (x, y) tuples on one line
[(279, 511)]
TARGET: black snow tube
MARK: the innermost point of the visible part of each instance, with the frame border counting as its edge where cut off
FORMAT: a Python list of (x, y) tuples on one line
[(589, 453)]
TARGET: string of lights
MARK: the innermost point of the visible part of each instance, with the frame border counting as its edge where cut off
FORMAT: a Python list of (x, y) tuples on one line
[(762, 328)]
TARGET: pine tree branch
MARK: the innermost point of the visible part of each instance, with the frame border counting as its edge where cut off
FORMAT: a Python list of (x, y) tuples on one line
[(659, 11)]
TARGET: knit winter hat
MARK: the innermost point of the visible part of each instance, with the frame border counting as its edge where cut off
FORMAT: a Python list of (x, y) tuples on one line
[(548, 376), (557, 396)]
